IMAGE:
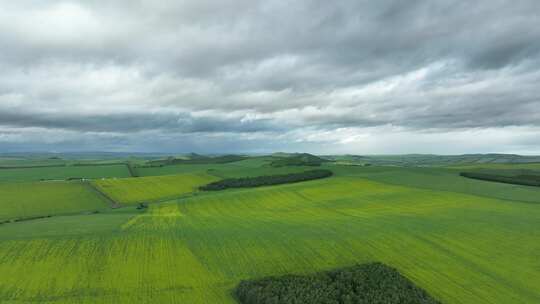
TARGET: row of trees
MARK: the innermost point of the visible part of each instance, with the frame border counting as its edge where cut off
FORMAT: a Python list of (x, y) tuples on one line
[(373, 283), (266, 180), (527, 180)]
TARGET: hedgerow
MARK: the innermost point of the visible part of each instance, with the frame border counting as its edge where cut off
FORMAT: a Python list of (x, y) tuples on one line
[(266, 180), (527, 180)]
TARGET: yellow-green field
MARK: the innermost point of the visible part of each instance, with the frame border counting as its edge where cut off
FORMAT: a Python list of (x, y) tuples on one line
[(461, 248), (152, 188)]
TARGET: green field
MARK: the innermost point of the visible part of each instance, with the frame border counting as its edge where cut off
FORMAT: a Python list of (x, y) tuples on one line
[(154, 188), (61, 173), (461, 240), (442, 179), (22, 200), (250, 167), (531, 166)]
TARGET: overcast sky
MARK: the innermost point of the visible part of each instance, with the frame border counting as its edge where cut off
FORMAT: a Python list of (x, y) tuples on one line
[(362, 77)]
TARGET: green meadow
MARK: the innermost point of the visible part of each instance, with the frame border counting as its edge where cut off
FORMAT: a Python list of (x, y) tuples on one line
[(530, 166), (23, 200), (442, 179), (62, 172), (461, 240), (245, 168)]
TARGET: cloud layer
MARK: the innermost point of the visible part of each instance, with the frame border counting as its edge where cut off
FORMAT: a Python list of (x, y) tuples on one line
[(258, 76)]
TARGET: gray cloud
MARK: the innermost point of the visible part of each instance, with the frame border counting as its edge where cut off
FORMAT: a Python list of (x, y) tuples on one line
[(275, 71), (135, 122)]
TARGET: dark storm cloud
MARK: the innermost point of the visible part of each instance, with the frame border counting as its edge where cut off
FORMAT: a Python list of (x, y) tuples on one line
[(259, 67), (134, 122)]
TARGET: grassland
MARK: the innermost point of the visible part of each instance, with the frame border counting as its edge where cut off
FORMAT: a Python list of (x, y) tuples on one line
[(178, 169), (528, 166), (23, 200), (461, 244), (150, 189), (303, 159), (441, 179), (25, 162), (256, 166), (62, 172), (198, 159)]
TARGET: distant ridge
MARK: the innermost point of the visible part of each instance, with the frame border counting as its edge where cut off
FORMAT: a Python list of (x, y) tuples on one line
[(196, 159), (297, 159), (432, 159)]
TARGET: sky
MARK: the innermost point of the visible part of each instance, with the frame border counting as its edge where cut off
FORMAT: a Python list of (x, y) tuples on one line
[(326, 77)]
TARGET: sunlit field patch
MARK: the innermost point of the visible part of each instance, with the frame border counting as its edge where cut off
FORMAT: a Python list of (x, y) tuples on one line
[(144, 189)]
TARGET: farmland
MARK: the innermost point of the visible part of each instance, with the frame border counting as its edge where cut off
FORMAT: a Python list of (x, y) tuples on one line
[(62, 172), (269, 152), (245, 168), (460, 240), (144, 189), (22, 200), (442, 179)]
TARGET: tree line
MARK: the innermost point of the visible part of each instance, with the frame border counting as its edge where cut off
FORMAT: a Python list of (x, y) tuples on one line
[(527, 180), (373, 283), (266, 180)]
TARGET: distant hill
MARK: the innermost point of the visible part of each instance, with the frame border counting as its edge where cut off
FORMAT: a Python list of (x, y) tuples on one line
[(298, 159), (283, 154), (435, 160), (194, 158), (193, 155)]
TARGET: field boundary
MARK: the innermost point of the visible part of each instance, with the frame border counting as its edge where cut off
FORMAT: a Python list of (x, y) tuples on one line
[(114, 204), (266, 180), (514, 180), (132, 170)]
